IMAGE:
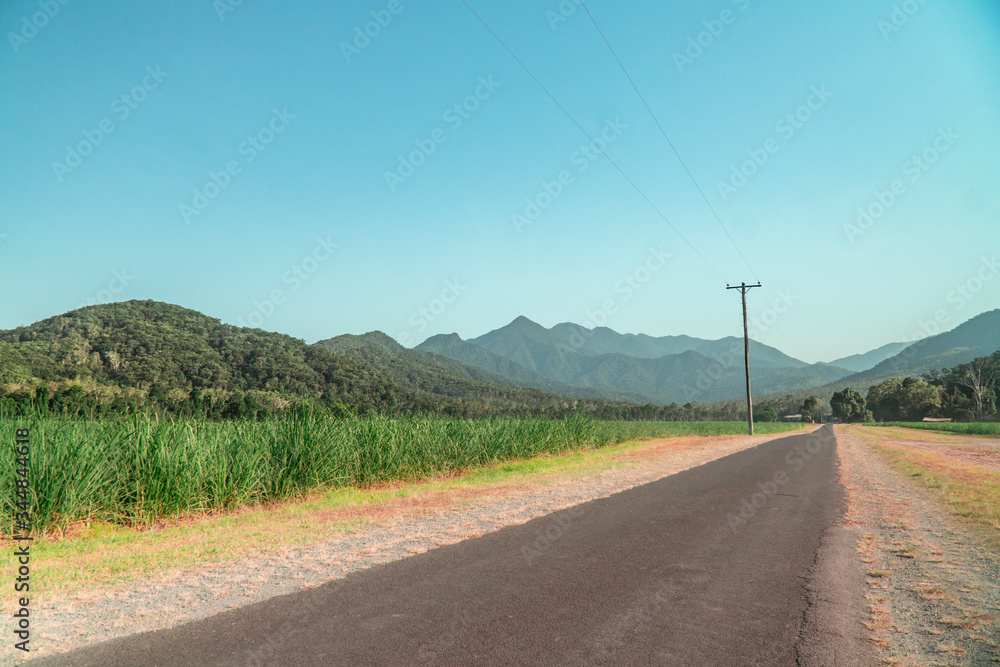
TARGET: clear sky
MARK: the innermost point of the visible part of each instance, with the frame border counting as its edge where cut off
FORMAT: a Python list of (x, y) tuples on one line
[(270, 164)]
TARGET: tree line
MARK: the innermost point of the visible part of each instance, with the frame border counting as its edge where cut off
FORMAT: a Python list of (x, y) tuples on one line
[(965, 393)]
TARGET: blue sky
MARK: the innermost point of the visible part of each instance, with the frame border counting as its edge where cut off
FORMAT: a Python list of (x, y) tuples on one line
[(233, 158)]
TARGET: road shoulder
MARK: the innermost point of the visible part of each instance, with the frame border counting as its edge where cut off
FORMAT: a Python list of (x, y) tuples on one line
[(931, 580)]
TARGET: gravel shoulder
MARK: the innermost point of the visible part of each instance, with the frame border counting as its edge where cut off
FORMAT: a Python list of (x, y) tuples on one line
[(68, 621), (933, 591)]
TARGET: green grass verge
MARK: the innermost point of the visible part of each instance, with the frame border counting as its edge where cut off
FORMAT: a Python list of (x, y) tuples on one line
[(103, 553), (141, 470)]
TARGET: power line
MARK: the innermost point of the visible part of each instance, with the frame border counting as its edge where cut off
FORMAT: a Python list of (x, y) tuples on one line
[(744, 288), (669, 142), (683, 164), (592, 141)]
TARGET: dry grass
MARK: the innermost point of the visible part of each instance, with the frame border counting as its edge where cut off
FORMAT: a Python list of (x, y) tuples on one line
[(934, 592), (951, 649), (906, 551), (969, 490), (881, 615), (970, 619)]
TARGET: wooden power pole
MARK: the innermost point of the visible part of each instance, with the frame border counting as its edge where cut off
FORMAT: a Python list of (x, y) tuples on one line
[(744, 288)]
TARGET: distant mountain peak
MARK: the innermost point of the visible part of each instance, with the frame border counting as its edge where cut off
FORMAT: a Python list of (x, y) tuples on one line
[(523, 323), (445, 339), (378, 336), (372, 338)]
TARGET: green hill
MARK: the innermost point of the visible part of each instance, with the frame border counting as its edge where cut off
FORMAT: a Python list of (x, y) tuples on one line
[(146, 344), (140, 354), (977, 337)]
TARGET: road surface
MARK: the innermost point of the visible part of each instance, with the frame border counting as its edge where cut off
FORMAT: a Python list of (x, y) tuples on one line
[(718, 565)]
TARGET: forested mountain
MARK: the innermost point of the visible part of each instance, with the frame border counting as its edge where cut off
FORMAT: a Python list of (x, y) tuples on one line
[(533, 346), (978, 337), (975, 338), (469, 354), (554, 355), (157, 347), (434, 374), (858, 363), (139, 355)]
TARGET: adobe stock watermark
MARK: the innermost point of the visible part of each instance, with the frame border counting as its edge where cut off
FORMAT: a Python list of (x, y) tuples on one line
[(605, 650), (30, 25), (454, 116), (959, 296), (363, 35), (899, 18), (249, 149), (293, 279), (120, 280), (913, 170), (122, 107), (733, 358), (782, 303), (564, 10), (714, 28), (223, 7), (424, 316), (785, 127), (557, 525), (796, 460), (580, 160), (626, 288)]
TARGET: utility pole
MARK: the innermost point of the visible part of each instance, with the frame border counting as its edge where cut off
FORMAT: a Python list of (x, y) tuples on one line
[(744, 288)]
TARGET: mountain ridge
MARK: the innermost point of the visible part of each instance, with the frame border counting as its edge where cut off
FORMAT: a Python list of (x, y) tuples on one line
[(560, 354), (864, 361), (518, 341)]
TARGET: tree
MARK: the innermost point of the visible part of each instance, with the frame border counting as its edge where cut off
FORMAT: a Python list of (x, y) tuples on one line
[(918, 400), (849, 406), (979, 376), (812, 409), (902, 399), (767, 415)]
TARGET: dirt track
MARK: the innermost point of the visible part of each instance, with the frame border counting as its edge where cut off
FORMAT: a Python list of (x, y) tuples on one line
[(933, 592)]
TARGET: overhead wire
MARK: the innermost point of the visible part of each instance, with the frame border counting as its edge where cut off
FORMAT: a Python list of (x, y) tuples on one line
[(591, 139), (676, 153), (667, 138)]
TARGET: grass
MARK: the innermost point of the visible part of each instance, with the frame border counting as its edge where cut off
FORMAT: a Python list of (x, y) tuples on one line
[(100, 552), (138, 471), (969, 620), (970, 491), (967, 428)]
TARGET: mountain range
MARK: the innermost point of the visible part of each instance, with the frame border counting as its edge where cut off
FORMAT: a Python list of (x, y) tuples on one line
[(977, 337), (137, 345), (670, 369), (682, 369), (858, 363)]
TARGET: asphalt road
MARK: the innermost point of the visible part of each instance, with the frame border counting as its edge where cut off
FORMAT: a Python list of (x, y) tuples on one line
[(668, 573)]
